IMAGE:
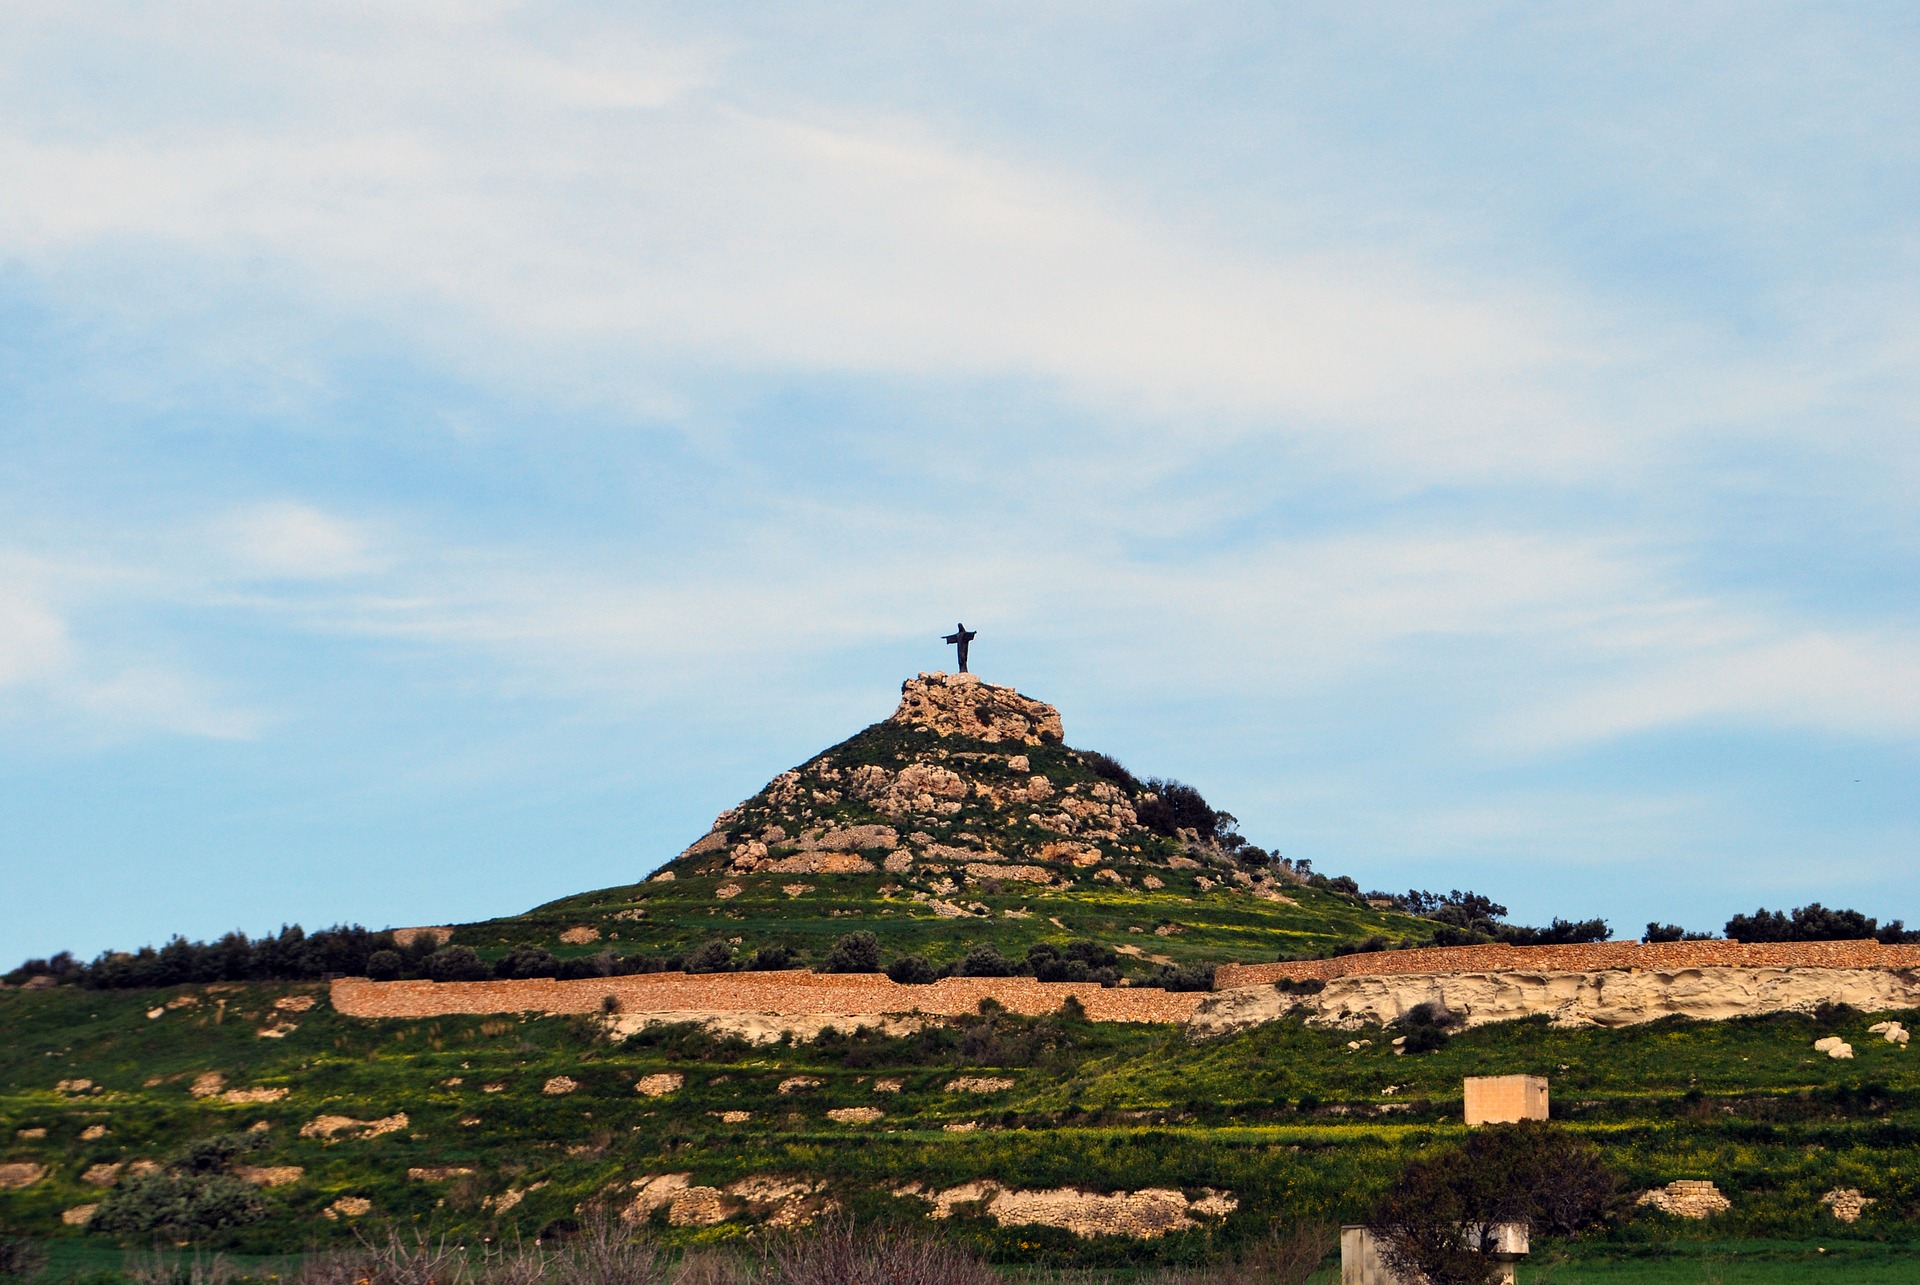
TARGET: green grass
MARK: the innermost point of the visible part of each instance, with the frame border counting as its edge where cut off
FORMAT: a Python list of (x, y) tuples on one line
[(1749, 1262), (1288, 1118)]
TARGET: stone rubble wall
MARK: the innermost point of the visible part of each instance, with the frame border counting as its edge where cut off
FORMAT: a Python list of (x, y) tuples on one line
[(797, 994), (1589, 958)]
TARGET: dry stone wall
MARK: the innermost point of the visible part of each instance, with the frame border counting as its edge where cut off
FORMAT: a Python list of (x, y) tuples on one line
[(797, 994)]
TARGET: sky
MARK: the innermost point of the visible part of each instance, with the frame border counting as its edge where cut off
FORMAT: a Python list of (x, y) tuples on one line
[(448, 452)]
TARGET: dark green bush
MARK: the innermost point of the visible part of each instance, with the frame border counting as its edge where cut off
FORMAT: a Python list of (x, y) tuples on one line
[(857, 952), (912, 970), (192, 1195), (711, 957), (383, 965), (457, 964), (984, 961), (775, 958), (526, 961)]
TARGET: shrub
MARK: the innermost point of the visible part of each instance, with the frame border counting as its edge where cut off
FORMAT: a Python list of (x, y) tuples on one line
[(1561, 932), (526, 961), (911, 970), (1080, 961), (711, 957), (384, 965), (1673, 932), (1426, 1028), (1184, 977), (1815, 923), (191, 1195), (1438, 1219), (1108, 768), (457, 964), (774, 958), (1175, 806), (857, 952), (984, 961)]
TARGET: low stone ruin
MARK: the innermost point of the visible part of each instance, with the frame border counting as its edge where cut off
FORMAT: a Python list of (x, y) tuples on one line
[(1687, 1198)]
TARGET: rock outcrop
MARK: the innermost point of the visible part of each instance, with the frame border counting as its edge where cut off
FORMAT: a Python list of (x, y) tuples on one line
[(965, 705), (967, 783), (1599, 998), (1145, 1214)]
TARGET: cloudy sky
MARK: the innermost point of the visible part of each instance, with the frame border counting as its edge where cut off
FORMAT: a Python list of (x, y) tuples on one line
[(450, 451)]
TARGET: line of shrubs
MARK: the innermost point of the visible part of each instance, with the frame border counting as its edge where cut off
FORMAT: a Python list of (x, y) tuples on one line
[(294, 955)]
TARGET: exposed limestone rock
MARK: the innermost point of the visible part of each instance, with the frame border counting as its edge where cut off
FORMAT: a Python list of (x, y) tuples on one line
[(1834, 1047), (104, 1174), (962, 704), (1020, 874), (581, 935), (330, 1126), (660, 1084), (1687, 1198), (819, 863), (349, 1207), (1891, 1032), (254, 1095), (275, 1175), (560, 1085), (978, 1084), (78, 1216), (1846, 1203), (778, 1201), (1144, 1214), (799, 1084), (1604, 998), (854, 1115)]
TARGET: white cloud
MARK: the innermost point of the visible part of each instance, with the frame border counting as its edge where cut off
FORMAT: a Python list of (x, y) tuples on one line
[(535, 210), (296, 541), (78, 682), (33, 639)]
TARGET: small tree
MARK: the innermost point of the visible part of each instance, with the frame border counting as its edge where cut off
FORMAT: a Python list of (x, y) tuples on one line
[(193, 1194), (383, 965), (457, 964), (985, 961), (855, 953), (712, 957), (1439, 1219), (911, 970)]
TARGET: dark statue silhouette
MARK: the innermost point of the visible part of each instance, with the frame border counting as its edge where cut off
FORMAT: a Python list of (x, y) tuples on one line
[(960, 638)]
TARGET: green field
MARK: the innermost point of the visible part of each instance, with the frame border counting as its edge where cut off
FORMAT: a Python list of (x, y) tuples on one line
[(1287, 1118)]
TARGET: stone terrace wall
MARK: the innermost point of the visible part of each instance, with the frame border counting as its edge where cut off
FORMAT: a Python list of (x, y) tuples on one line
[(1591, 958), (786, 994)]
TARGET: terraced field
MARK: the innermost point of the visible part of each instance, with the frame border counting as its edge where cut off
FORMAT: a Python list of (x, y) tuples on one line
[(503, 1126)]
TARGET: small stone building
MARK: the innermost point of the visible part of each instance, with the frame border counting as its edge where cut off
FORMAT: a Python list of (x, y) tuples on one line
[(1505, 1099)]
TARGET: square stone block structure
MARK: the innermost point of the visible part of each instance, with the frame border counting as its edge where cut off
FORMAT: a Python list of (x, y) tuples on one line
[(1505, 1099)]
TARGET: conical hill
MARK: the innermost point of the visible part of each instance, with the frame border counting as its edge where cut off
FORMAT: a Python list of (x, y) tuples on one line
[(963, 820)]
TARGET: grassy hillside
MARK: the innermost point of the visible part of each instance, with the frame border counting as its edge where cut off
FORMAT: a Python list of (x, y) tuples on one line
[(1181, 897), (1293, 1121)]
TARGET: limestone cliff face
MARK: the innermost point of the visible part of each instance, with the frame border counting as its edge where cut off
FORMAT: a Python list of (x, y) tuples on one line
[(1611, 997), (964, 705)]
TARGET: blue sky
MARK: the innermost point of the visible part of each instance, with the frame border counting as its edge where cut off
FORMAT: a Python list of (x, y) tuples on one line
[(450, 451)]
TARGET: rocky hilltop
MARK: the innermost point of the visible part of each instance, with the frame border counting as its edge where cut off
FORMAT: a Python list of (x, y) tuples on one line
[(970, 782), (962, 820)]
